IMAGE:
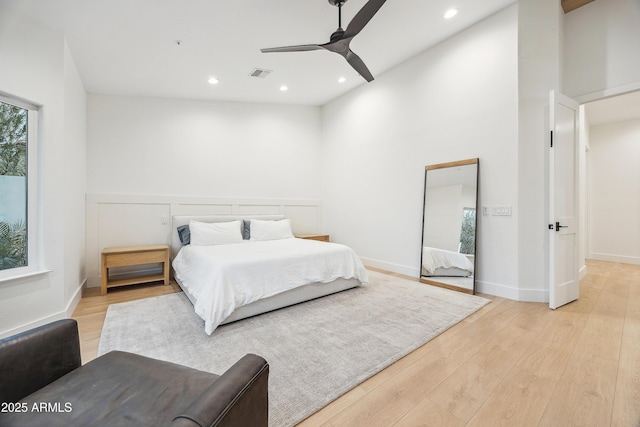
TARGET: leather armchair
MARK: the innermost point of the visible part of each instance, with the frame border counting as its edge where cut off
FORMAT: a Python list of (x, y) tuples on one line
[(42, 382)]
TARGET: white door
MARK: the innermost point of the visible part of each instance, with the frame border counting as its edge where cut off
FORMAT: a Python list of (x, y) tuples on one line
[(564, 281)]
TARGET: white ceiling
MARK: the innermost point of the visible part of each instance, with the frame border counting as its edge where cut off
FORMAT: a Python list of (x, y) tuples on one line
[(128, 47)]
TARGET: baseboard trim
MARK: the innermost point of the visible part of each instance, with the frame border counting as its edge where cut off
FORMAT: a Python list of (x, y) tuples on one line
[(533, 295), (496, 289), (63, 314), (73, 302), (523, 295), (34, 324), (616, 258), (582, 272)]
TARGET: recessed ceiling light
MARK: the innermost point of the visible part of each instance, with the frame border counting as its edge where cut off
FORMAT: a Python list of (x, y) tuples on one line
[(213, 80), (342, 80), (283, 88), (450, 13)]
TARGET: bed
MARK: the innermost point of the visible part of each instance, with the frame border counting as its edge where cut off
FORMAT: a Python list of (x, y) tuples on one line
[(440, 262), (238, 277)]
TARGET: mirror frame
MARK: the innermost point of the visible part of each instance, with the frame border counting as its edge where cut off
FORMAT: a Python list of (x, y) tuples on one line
[(431, 280)]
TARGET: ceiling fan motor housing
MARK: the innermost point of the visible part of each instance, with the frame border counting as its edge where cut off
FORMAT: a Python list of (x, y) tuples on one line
[(340, 39)]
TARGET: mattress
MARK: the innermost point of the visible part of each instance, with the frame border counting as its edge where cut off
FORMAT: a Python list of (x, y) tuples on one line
[(220, 279), (439, 262)]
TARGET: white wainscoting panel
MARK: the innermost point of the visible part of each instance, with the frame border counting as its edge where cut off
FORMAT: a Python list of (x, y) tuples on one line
[(123, 220)]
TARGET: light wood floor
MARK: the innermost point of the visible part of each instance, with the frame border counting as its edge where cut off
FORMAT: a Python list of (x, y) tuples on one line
[(509, 364)]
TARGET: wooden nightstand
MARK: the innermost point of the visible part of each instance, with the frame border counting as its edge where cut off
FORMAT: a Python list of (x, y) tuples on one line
[(124, 256), (321, 237)]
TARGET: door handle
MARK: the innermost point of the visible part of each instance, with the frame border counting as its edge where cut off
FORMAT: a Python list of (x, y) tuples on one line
[(558, 226)]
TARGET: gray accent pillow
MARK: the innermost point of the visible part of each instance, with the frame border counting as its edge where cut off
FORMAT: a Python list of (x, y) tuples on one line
[(184, 234), (246, 229)]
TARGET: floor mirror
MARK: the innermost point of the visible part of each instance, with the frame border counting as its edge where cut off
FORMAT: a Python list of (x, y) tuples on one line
[(448, 257)]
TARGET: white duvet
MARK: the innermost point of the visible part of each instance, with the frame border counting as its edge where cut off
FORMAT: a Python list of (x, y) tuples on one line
[(433, 259), (221, 278)]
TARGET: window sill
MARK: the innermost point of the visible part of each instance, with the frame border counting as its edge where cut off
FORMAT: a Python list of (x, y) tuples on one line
[(23, 276)]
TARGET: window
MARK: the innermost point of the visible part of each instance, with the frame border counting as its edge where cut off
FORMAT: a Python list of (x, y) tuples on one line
[(468, 232), (18, 179)]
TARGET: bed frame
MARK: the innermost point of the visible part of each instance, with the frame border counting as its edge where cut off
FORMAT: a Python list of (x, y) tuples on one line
[(284, 299)]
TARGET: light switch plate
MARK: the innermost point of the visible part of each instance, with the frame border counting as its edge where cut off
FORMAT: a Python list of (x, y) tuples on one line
[(501, 210)]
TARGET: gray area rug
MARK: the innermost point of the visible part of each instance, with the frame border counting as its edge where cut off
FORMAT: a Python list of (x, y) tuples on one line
[(316, 350)]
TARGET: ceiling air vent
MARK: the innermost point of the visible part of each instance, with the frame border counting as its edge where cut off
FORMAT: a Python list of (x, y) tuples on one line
[(260, 73)]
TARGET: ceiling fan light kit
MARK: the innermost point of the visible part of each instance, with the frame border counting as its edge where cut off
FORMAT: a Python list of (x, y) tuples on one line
[(340, 39)]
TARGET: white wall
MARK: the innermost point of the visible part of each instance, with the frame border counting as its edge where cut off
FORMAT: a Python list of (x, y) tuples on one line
[(601, 49), (74, 163), (75, 178), (38, 68), (458, 100), (539, 29), (614, 197), (444, 215), (197, 148)]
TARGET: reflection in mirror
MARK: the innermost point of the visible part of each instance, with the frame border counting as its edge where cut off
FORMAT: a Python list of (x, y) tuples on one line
[(449, 225)]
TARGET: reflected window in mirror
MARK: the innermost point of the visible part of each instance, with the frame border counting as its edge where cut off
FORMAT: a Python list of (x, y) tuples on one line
[(468, 232)]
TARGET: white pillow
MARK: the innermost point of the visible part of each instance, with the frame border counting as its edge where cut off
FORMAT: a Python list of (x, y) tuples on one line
[(270, 230), (215, 233)]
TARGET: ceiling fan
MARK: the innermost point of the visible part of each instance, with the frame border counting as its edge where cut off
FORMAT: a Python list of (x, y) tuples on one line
[(340, 39)]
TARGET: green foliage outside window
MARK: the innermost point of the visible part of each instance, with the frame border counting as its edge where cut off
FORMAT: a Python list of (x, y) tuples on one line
[(13, 162), (468, 233), (13, 245), (13, 140)]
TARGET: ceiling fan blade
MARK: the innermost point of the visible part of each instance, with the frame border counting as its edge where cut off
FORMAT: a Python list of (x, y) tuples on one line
[(358, 65), (299, 48), (363, 17)]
